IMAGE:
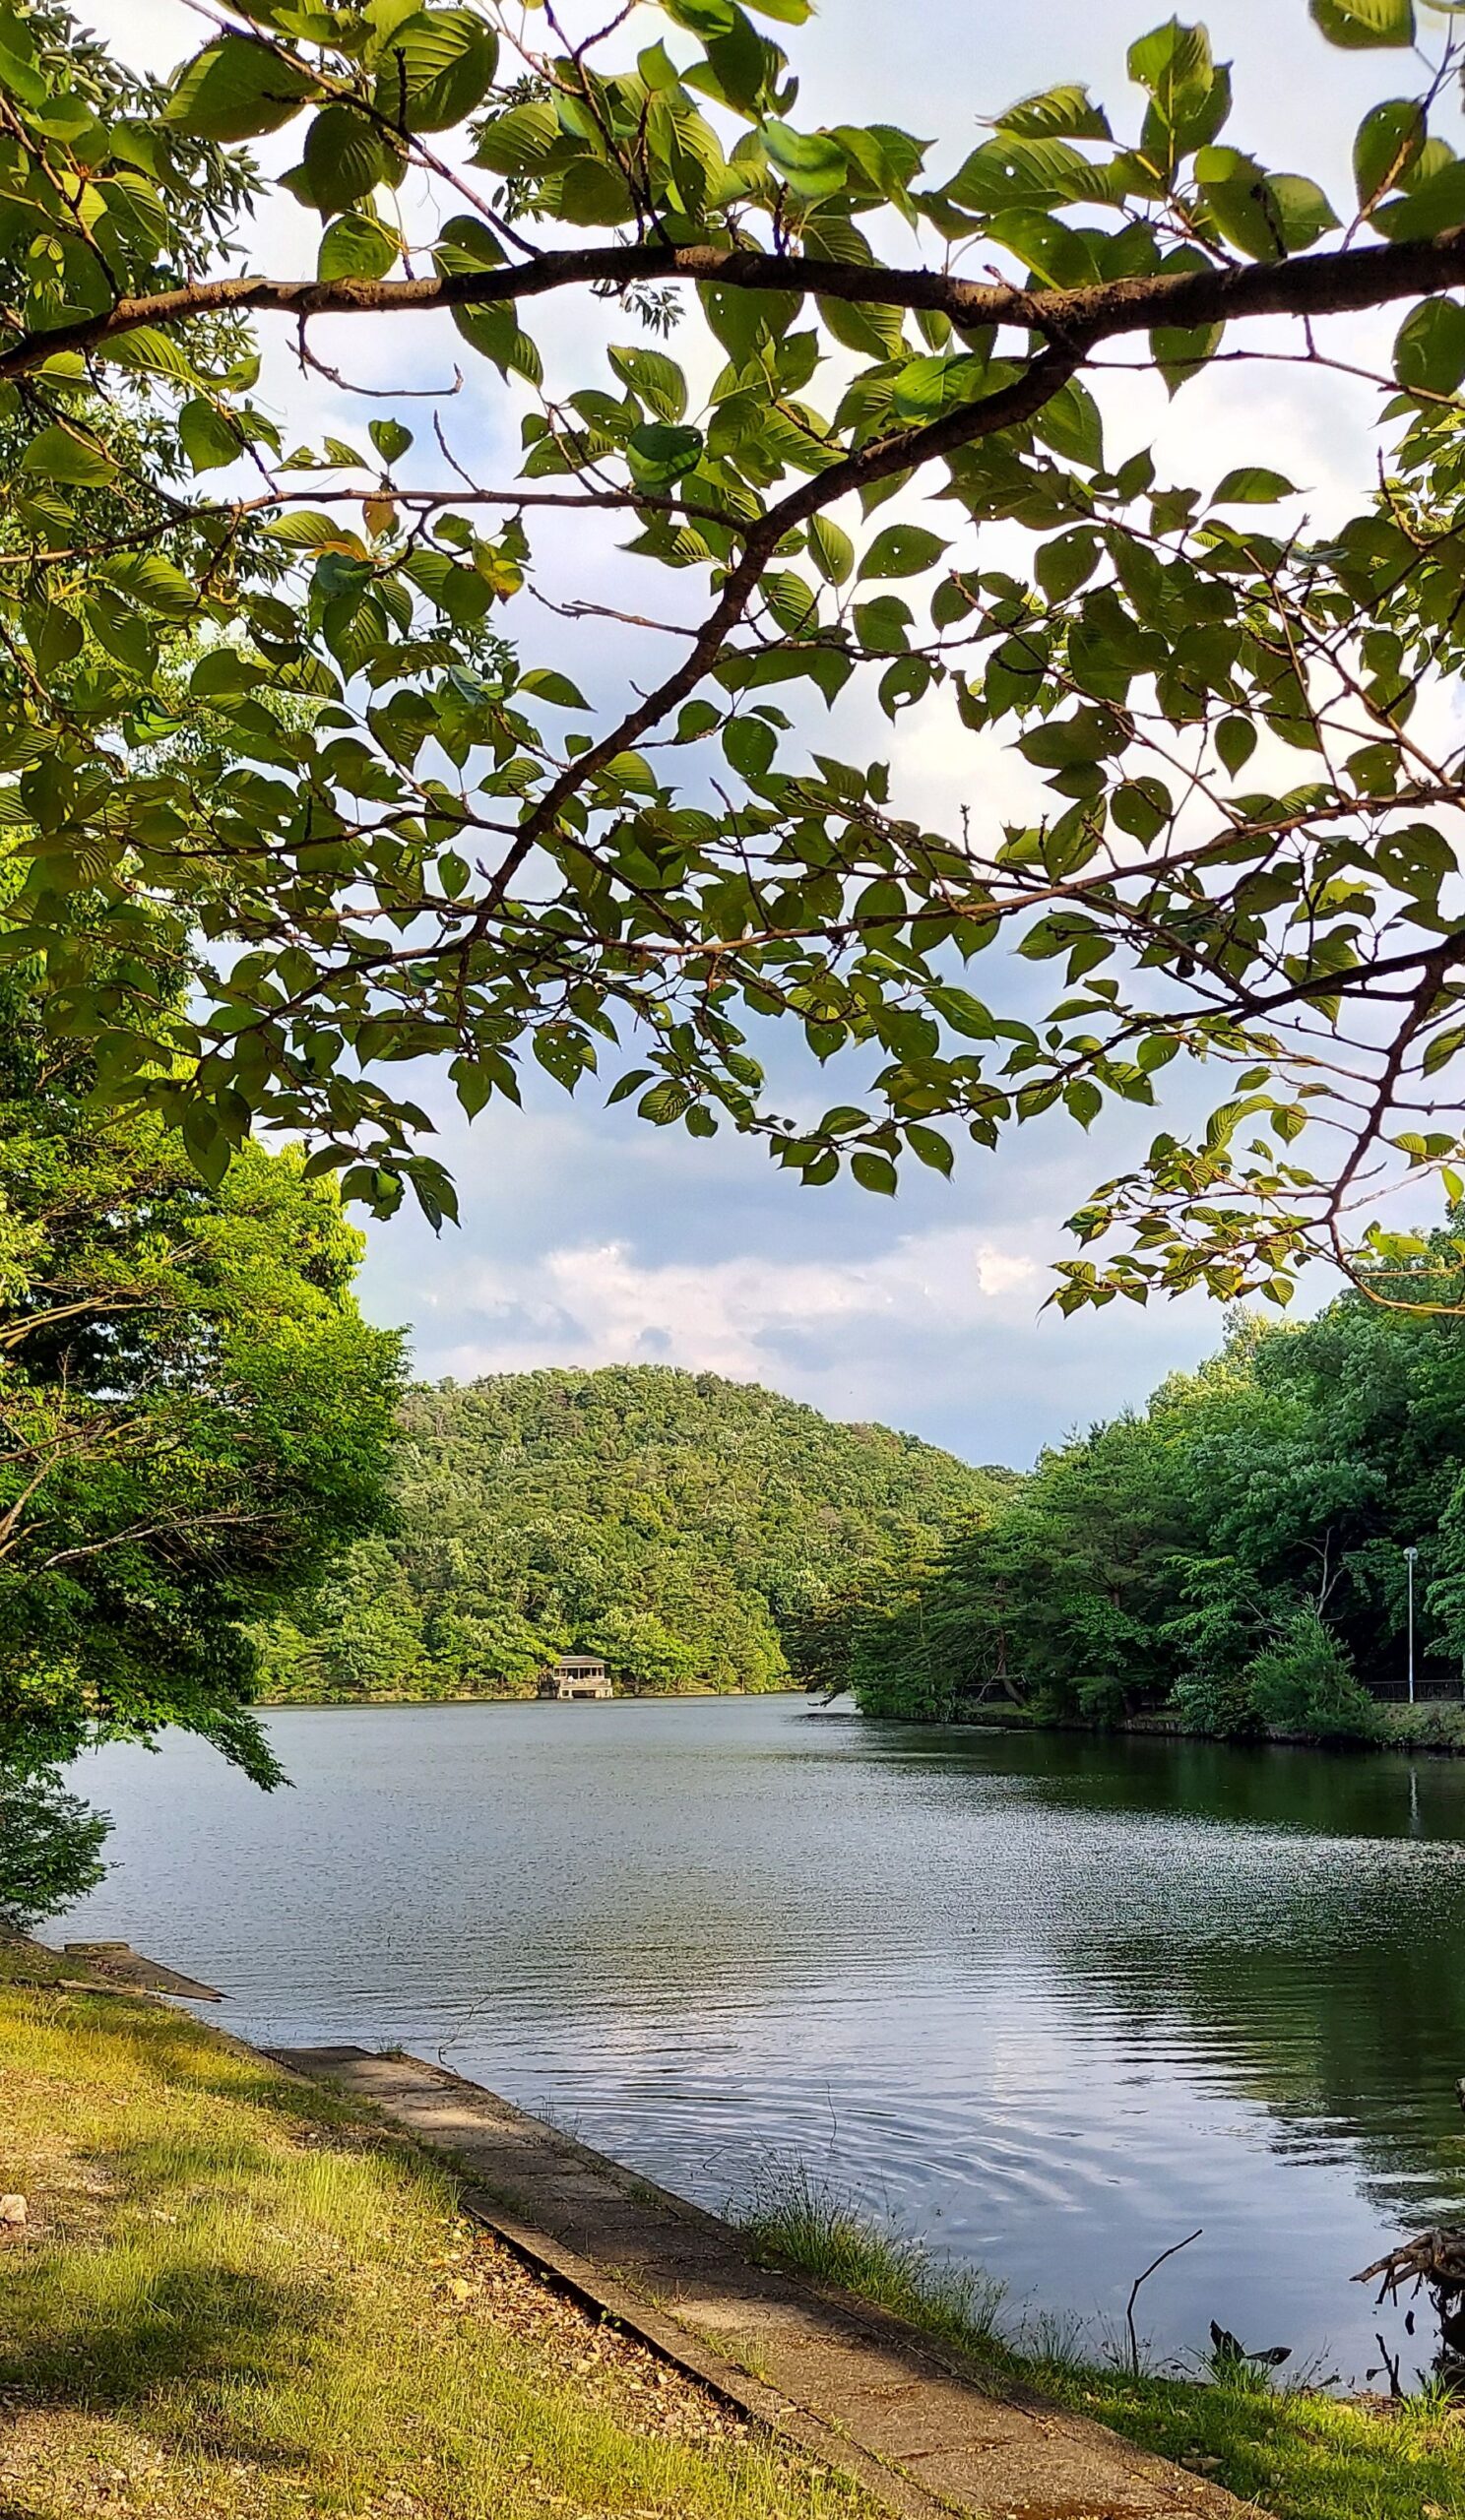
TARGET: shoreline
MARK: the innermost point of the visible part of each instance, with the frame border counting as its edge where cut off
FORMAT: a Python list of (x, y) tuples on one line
[(1413, 1738), (1434, 1728), (481, 1697)]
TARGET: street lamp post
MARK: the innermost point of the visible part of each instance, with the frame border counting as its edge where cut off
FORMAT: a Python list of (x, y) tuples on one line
[(1410, 1554)]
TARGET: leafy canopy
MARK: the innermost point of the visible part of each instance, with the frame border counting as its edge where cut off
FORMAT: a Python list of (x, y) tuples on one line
[(1234, 1551), (193, 1418), (311, 698)]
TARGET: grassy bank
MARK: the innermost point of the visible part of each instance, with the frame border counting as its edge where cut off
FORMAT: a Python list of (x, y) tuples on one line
[(232, 2297), (236, 2299), (1291, 2453)]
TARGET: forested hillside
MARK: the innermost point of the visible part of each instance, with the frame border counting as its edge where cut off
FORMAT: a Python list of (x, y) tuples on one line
[(1235, 1553), (685, 1527)]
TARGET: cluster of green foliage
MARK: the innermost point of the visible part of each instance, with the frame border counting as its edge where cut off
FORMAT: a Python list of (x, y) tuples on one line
[(1234, 1553), (193, 1415), (382, 831), (681, 1525)]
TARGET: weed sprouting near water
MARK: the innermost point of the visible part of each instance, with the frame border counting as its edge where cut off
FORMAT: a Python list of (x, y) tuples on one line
[(826, 2236)]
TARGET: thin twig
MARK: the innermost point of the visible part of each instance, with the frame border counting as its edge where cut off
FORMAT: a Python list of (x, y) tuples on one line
[(1172, 2251)]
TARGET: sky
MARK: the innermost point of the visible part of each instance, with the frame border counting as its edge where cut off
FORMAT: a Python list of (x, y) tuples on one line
[(588, 1237)]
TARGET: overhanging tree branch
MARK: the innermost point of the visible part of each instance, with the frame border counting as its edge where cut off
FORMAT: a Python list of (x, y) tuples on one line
[(1305, 286)]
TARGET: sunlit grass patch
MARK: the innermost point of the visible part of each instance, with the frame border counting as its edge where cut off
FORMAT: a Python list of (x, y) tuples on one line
[(235, 2296), (823, 2234)]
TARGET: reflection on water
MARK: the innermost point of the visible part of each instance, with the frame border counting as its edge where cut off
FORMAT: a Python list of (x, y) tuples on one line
[(1050, 2001)]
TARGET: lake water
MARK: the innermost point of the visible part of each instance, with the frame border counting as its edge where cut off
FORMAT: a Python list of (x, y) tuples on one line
[(1051, 2002)]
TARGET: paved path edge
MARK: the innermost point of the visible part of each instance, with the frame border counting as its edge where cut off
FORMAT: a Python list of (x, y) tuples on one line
[(601, 2288)]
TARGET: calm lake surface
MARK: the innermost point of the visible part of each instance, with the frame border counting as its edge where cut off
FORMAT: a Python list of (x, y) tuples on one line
[(1049, 2002)]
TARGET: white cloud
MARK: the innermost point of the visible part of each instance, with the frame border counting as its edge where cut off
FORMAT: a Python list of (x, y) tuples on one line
[(745, 1316)]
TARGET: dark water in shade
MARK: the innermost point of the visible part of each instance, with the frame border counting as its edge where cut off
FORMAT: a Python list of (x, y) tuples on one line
[(1049, 2002)]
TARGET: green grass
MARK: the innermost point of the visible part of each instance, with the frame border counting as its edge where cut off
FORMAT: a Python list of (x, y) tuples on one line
[(1288, 2451), (812, 2228), (235, 2301), (237, 2298)]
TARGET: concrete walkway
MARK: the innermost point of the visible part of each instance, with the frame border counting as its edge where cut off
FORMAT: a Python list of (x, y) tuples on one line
[(923, 2427)]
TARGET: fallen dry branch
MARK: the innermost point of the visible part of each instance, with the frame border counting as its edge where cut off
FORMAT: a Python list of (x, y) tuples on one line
[(1436, 2258)]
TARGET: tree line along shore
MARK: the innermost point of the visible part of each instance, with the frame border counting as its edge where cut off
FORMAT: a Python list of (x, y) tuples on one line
[(1230, 1560)]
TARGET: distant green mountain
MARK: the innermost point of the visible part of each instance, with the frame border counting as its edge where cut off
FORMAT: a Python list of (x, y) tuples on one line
[(683, 1526)]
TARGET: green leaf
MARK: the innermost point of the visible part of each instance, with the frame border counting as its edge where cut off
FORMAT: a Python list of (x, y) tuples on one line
[(661, 455), (236, 90), (389, 438), (153, 353), (519, 142), (467, 245), (883, 625), (556, 688), (902, 552), (903, 683), (745, 319), (1242, 203), (1010, 173), (1180, 351), (1057, 114), (1431, 206), (1359, 25), (932, 1147), (749, 744), (207, 439), (793, 602), (437, 68), (928, 387), (1252, 486), (495, 333), (62, 454), (740, 64), (1235, 742), (704, 18), (963, 1012), (357, 248), (1171, 58), (812, 163), (594, 195), (345, 159), (152, 581), (631, 770), (831, 550), (1305, 210), (655, 378), (1429, 348), (1388, 144), (1064, 566), (222, 673), (1069, 423), (1142, 807), (55, 638), (875, 1172)]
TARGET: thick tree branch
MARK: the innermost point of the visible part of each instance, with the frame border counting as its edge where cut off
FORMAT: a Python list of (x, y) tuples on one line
[(1309, 284)]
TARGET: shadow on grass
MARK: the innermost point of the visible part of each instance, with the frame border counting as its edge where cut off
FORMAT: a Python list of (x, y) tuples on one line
[(110, 2331)]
